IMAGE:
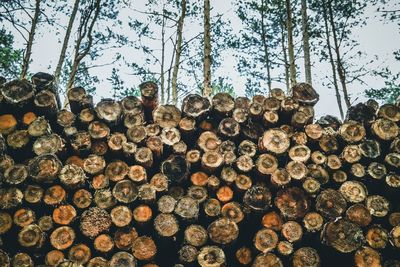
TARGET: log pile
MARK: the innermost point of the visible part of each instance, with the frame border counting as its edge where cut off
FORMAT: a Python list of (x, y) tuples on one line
[(220, 182)]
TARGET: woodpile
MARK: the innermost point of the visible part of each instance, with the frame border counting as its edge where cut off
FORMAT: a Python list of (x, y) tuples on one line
[(220, 182)]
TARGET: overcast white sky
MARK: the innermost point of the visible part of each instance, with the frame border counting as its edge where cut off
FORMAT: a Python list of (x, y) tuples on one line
[(376, 38)]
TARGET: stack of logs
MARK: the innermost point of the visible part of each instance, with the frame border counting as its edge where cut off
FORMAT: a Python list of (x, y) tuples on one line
[(220, 182)]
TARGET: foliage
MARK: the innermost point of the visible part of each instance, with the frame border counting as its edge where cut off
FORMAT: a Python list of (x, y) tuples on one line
[(9, 57)]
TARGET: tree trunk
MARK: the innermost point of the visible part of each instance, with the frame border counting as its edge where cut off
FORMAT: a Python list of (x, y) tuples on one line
[(265, 46), (285, 59), (79, 55), (306, 41), (340, 70), (64, 47), (292, 63), (178, 53), (28, 52), (162, 78), (335, 82), (207, 51)]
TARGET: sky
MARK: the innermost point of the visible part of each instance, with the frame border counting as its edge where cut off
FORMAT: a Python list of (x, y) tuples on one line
[(377, 39)]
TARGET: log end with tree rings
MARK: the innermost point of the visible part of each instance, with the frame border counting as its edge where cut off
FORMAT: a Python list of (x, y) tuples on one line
[(166, 204), (196, 235), (48, 144), (275, 141), (389, 112), (343, 236), (195, 106), (167, 116), (395, 236), (265, 240), (244, 255), (359, 214), (330, 203), (8, 123), (377, 237), (257, 198), (94, 164), (267, 260), (313, 221), (367, 257), (170, 136), (211, 256), (125, 191), (17, 92), (384, 129), (149, 94), (72, 176), (187, 208), (306, 256), (272, 220), (131, 105), (229, 128), (247, 147), (175, 168), (377, 205), (166, 225), (98, 130), (109, 111), (144, 248), (240, 115), (45, 168), (16, 174), (304, 93), (95, 221), (46, 102), (62, 237), (353, 191), (18, 139), (187, 254), (123, 258), (212, 207), (81, 142), (292, 231), (292, 202), (223, 103), (144, 157), (370, 149), (233, 211), (208, 141)]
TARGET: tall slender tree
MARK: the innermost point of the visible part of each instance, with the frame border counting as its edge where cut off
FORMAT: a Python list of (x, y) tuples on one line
[(64, 46), (306, 41), (31, 37), (207, 51), (289, 27), (339, 64), (85, 31), (332, 61), (179, 38)]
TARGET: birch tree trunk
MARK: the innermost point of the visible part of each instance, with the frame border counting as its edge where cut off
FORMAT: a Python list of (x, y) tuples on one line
[(28, 51), (162, 77), (207, 51), (332, 62), (285, 59), (292, 63), (174, 82), (64, 47), (265, 46), (306, 41), (85, 30), (339, 63)]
